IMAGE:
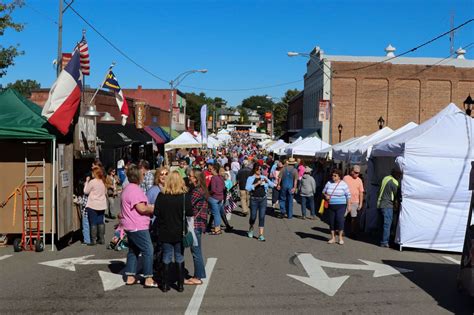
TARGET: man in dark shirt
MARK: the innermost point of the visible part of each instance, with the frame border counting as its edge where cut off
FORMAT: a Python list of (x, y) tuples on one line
[(242, 176)]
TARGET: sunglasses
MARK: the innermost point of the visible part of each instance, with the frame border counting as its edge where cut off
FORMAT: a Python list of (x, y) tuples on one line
[(163, 174)]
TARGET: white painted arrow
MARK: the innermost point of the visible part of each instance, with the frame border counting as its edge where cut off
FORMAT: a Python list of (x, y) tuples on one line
[(69, 263), (380, 270), (317, 278), (111, 281), (5, 257)]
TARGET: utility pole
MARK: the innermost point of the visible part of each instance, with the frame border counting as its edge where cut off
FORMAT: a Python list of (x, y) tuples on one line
[(60, 39)]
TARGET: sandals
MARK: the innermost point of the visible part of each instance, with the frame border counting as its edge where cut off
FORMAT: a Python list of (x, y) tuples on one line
[(214, 232), (136, 281), (193, 281), (150, 286)]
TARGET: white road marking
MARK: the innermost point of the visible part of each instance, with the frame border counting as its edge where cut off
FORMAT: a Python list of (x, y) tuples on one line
[(451, 259), (111, 281), (5, 257), (196, 300), (318, 279), (69, 263)]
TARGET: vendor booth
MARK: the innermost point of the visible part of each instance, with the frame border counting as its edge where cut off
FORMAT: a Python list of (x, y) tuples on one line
[(308, 148), (27, 167), (434, 158)]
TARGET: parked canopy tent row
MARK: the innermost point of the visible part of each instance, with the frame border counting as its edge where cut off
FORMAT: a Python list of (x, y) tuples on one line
[(327, 152), (280, 143), (183, 141), (435, 159), (281, 150)]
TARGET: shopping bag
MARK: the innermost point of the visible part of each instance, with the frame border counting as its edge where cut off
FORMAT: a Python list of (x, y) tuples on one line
[(321, 207)]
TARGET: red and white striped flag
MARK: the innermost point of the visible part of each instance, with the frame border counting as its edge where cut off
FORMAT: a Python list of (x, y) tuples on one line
[(84, 53)]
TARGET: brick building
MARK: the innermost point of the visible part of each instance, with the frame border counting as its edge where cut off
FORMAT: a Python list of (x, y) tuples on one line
[(160, 98), (295, 113), (362, 89)]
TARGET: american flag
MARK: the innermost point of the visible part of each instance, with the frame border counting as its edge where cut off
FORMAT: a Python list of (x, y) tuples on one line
[(84, 53)]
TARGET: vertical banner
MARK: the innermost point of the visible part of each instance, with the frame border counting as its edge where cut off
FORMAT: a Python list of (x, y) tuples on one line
[(324, 110), (140, 115), (203, 123)]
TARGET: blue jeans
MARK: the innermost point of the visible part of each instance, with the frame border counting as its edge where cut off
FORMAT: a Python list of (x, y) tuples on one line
[(139, 242), (310, 201), (173, 249), (286, 201), (217, 207), (336, 217), (258, 204), (199, 268), (387, 215), (86, 234), (96, 217)]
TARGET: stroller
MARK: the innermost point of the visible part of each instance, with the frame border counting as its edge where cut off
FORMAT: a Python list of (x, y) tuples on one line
[(119, 240)]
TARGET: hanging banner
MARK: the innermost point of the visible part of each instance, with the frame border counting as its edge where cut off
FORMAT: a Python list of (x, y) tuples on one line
[(324, 110), (140, 115)]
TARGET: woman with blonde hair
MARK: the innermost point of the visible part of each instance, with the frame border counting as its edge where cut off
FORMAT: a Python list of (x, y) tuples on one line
[(96, 204), (171, 206)]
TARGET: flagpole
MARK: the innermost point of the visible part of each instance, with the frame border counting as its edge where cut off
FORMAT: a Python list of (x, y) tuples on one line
[(102, 83)]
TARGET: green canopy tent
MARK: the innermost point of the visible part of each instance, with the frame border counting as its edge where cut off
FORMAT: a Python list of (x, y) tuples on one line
[(21, 120)]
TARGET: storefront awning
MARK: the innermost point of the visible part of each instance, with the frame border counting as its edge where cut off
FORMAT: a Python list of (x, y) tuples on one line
[(113, 135), (158, 139)]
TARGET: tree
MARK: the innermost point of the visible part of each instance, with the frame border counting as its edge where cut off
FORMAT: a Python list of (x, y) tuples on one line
[(244, 116), (24, 87), (280, 112), (260, 103), (8, 54), (195, 101)]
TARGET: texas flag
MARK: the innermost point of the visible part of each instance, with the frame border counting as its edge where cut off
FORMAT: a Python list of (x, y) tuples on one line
[(65, 96), (112, 84)]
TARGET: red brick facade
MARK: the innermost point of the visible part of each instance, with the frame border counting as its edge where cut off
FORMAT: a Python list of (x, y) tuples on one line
[(295, 113), (400, 93)]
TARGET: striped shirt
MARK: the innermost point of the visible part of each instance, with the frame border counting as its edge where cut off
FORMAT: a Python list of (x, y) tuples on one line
[(339, 192)]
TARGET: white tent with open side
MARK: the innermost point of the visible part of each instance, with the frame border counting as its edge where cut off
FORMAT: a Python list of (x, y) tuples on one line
[(280, 143), (282, 150), (308, 147), (327, 152), (183, 141), (435, 159)]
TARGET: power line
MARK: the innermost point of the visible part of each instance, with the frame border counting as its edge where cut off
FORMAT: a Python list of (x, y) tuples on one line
[(408, 51), (116, 48), (243, 89), (44, 15)]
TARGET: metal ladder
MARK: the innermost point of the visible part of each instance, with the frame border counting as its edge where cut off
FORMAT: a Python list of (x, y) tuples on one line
[(35, 193)]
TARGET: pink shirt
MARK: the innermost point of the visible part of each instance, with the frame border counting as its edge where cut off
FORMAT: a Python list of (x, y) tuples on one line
[(355, 187), (132, 220), (96, 200), (301, 169)]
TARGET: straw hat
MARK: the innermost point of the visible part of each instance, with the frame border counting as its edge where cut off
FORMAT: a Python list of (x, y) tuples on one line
[(291, 161)]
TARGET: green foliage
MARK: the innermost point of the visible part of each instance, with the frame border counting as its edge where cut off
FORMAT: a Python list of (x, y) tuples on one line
[(260, 103), (8, 54), (244, 117), (195, 101), (280, 112), (24, 87)]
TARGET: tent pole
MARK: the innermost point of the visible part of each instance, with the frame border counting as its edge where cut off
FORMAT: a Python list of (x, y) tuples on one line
[(53, 196)]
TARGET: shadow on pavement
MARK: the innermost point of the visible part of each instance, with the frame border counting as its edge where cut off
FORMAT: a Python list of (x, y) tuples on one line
[(239, 232), (439, 281), (322, 230), (116, 266), (313, 236)]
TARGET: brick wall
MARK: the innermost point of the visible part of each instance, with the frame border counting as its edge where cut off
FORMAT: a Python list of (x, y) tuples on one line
[(295, 113), (398, 93)]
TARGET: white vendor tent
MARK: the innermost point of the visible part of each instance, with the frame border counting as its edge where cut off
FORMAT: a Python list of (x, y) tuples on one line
[(266, 143), (183, 141), (282, 150), (327, 152), (341, 152), (223, 137), (259, 136), (210, 142), (361, 153), (280, 143), (435, 159), (308, 147)]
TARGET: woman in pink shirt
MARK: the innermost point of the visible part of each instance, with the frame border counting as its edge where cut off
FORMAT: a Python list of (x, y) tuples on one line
[(96, 204), (135, 219)]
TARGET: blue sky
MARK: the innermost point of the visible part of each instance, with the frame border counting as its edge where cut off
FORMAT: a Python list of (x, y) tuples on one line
[(242, 43)]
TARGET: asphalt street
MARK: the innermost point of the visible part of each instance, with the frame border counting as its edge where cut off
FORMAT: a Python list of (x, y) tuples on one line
[(295, 271)]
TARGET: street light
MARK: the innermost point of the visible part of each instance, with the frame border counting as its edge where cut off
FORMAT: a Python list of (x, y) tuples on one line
[(173, 85), (468, 105), (381, 122), (93, 113), (339, 128)]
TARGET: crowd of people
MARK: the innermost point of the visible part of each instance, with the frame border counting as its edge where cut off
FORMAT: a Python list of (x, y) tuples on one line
[(165, 211)]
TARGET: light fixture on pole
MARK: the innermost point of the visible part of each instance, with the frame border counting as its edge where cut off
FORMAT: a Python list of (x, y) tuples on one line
[(339, 128), (468, 102), (173, 85), (381, 122), (107, 117), (91, 111)]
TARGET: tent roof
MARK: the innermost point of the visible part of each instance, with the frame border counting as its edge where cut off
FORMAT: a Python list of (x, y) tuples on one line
[(183, 141), (305, 133), (309, 147), (276, 145), (395, 146), (21, 119)]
